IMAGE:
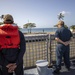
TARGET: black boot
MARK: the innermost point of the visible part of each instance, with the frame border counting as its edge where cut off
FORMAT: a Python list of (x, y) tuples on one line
[(57, 71)]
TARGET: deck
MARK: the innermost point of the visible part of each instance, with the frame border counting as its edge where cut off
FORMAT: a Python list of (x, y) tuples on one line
[(62, 72)]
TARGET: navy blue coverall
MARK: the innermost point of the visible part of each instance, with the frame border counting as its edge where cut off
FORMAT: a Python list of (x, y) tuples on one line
[(0, 63), (14, 55), (63, 34)]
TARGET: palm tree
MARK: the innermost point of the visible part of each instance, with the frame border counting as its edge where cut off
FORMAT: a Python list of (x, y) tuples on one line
[(1, 23), (72, 28), (1, 16), (60, 16), (19, 27), (29, 26)]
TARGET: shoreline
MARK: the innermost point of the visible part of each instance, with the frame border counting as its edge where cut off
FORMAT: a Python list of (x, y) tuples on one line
[(39, 33)]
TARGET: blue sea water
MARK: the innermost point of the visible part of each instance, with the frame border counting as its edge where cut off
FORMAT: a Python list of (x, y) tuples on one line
[(39, 30)]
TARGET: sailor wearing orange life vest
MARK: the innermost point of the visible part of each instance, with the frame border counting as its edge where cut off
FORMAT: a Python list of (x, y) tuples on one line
[(12, 47)]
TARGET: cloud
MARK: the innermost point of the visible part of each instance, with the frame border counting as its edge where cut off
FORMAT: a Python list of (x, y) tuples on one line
[(64, 13)]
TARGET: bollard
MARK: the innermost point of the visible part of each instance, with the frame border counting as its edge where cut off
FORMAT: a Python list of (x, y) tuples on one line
[(42, 66)]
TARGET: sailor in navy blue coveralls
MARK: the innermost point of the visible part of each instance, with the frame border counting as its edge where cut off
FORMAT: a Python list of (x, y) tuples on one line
[(12, 58), (62, 36)]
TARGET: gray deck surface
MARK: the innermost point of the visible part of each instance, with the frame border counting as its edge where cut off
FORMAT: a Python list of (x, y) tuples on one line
[(63, 71)]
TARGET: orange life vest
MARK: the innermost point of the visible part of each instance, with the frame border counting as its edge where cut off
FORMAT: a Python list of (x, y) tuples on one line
[(9, 36)]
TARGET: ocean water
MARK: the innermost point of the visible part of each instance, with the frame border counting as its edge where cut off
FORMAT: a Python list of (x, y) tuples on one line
[(38, 30)]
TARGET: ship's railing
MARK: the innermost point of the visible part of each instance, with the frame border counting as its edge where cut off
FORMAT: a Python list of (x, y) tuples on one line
[(36, 49), (53, 44), (43, 47)]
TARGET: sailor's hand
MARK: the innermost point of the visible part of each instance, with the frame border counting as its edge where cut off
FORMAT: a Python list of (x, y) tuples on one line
[(66, 43), (11, 67)]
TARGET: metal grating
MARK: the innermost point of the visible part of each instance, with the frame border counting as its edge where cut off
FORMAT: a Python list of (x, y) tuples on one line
[(36, 49)]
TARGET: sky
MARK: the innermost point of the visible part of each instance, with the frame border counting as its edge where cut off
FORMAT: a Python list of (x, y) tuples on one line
[(44, 13)]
